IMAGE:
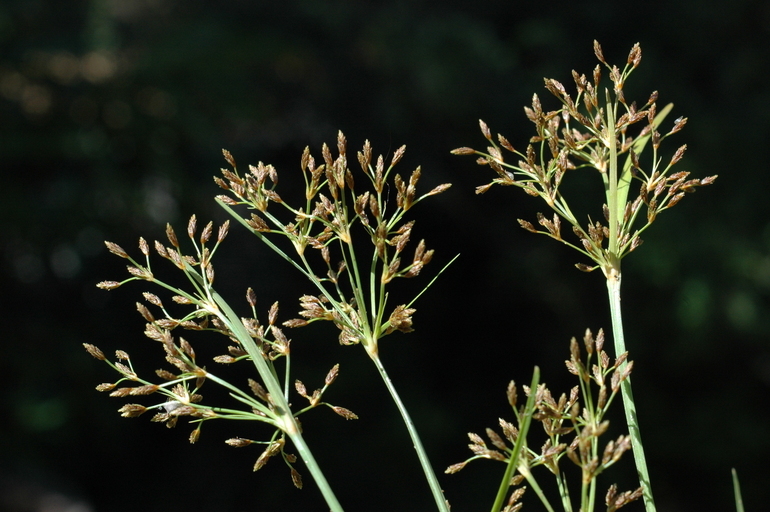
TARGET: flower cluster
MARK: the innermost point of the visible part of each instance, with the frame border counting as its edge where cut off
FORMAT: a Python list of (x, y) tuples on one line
[(589, 131), (563, 417), (252, 340), (352, 291)]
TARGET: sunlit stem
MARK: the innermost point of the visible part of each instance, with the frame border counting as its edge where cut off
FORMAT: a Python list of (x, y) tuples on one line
[(430, 475), (282, 411), (513, 461), (613, 287), (612, 193)]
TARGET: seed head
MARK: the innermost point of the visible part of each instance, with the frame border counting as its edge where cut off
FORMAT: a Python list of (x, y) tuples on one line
[(132, 410), (635, 56), (94, 351), (238, 442), (345, 413), (598, 52), (229, 158), (172, 236), (116, 249), (332, 375)]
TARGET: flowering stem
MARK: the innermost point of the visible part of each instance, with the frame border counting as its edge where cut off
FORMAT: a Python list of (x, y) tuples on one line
[(612, 192), (513, 461), (613, 288), (286, 421), (430, 475)]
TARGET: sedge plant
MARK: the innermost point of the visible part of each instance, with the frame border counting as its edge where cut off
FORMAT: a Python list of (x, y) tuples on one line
[(353, 280), (348, 237), (597, 129), (573, 426), (264, 344), (349, 241)]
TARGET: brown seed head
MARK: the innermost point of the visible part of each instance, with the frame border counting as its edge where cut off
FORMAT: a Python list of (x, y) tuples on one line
[(301, 389), (147, 389), (485, 130), (94, 351), (238, 442), (165, 374), (229, 158), (398, 155), (454, 468), (227, 200), (132, 410), (678, 125), (679, 154), (258, 390), (116, 249), (192, 226), (296, 478), (496, 440), (145, 312), (401, 319), (332, 375), (365, 156), (207, 231), (511, 394), (345, 413), (272, 315), (598, 52), (527, 225), (635, 56), (172, 236)]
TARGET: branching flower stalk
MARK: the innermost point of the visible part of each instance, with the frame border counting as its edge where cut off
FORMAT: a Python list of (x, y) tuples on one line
[(562, 418), (352, 287), (593, 130), (259, 343)]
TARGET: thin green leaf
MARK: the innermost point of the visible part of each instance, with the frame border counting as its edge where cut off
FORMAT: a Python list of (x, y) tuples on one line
[(624, 183)]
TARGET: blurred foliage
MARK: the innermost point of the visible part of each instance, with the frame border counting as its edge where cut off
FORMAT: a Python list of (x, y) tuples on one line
[(114, 113)]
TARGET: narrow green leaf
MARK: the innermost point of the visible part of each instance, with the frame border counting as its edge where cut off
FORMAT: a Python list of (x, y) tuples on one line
[(737, 492), (624, 183)]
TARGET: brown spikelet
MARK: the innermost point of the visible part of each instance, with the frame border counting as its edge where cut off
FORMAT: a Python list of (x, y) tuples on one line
[(229, 158), (345, 413), (94, 351), (116, 249)]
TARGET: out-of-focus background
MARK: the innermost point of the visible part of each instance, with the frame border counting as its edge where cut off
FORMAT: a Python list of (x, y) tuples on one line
[(113, 114)]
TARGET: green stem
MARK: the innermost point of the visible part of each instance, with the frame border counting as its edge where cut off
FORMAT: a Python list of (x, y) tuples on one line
[(737, 492), (430, 475), (613, 288), (513, 461), (281, 409), (524, 470), (315, 470), (564, 493), (612, 193)]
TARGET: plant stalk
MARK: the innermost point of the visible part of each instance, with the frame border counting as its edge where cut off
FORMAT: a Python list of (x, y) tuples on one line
[(315, 469), (287, 422), (430, 475), (613, 289), (513, 461), (737, 492)]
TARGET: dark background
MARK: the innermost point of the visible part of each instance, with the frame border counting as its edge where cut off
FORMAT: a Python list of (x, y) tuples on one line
[(113, 116)]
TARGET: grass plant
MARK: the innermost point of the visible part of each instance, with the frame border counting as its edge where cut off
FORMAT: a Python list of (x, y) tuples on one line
[(349, 239), (594, 130)]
